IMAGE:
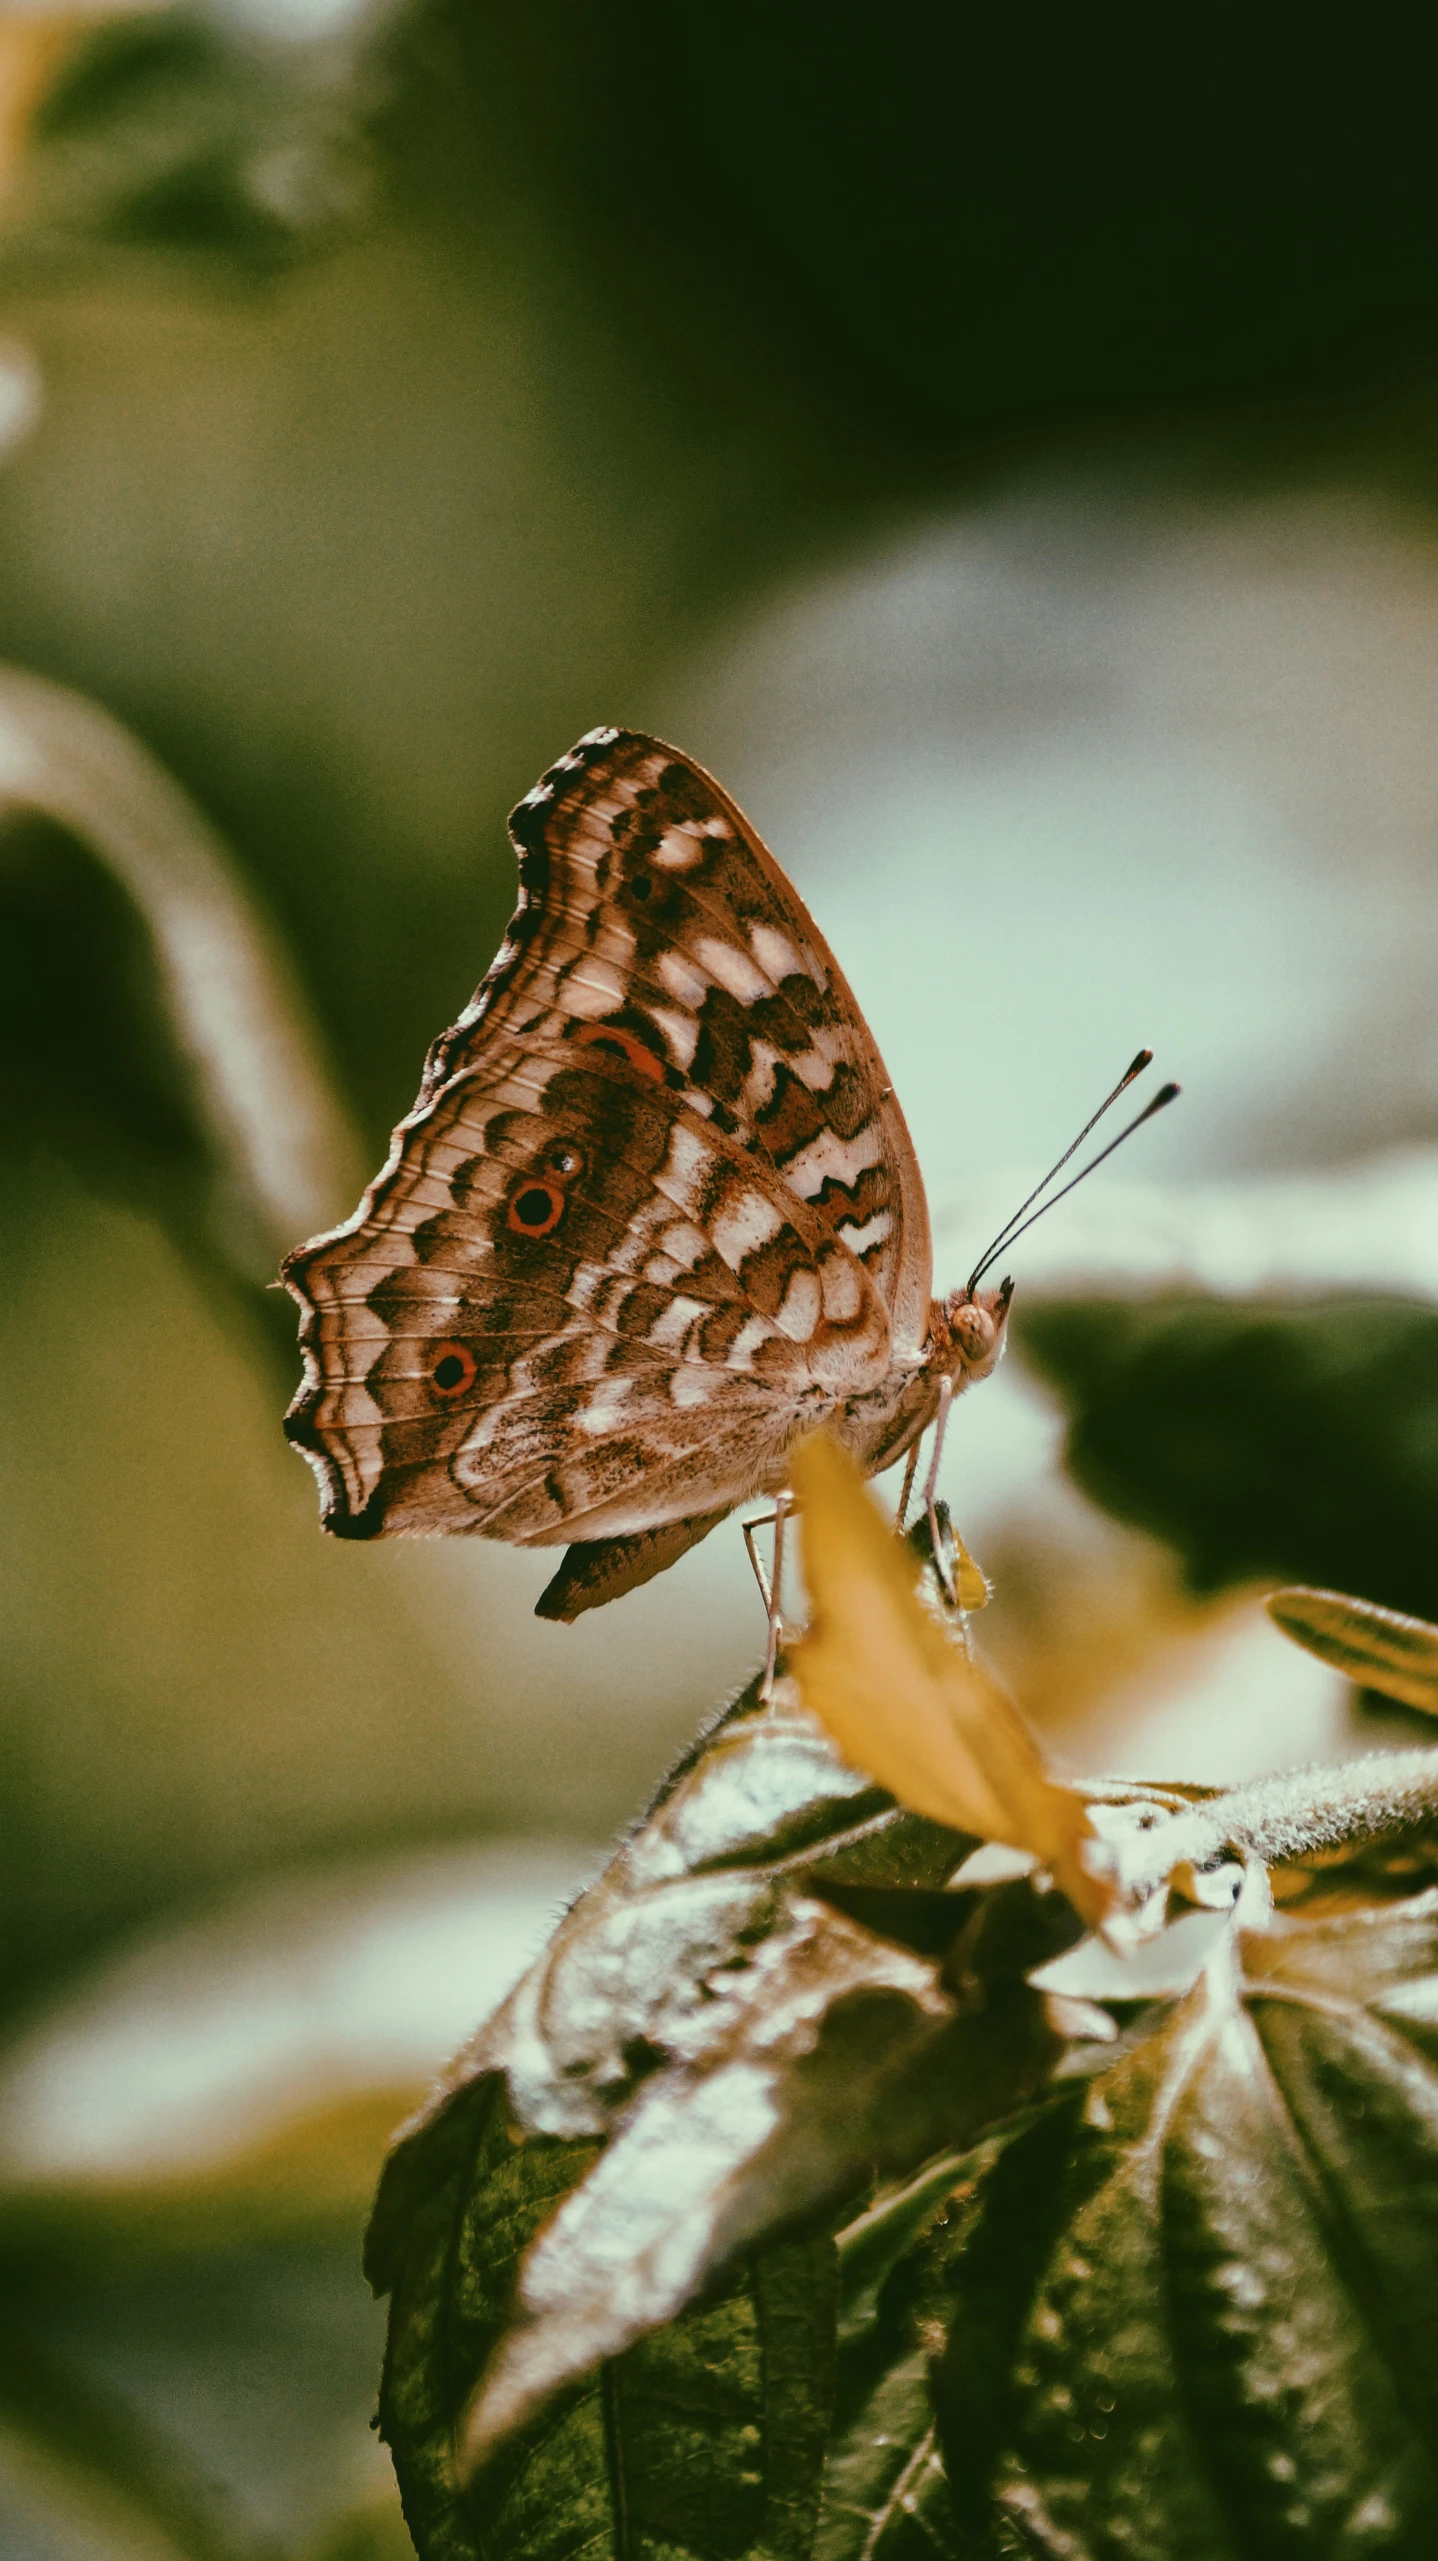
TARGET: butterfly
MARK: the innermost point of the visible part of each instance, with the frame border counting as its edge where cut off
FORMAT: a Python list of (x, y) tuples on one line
[(654, 1216)]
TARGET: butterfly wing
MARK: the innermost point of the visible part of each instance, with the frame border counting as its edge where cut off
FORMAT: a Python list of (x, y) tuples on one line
[(573, 1307), (654, 1210), (651, 913)]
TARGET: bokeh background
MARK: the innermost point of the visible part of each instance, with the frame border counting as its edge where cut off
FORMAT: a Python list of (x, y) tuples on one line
[(1006, 451)]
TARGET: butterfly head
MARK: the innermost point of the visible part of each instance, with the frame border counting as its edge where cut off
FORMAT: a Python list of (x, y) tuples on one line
[(971, 1338)]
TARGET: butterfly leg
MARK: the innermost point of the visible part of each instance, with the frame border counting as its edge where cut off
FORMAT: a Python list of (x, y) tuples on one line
[(756, 1560), (782, 1506), (931, 1488), (910, 1472), (770, 1585)]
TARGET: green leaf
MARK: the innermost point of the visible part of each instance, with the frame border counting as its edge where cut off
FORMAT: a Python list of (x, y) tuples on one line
[(1173, 2295), (885, 2489), (710, 2056), (1197, 2316), (464, 2177), (706, 2438)]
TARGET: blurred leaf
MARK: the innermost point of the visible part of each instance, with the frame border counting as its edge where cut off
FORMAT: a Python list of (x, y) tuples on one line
[(231, 2080), (715, 2049), (152, 1026), (161, 127), (32, 48), (1378, 1648), (1288, 1443), (153, 2499), (1075, 231), (226, 2396), (312, 2177), (902, 1698), (376, 2532)]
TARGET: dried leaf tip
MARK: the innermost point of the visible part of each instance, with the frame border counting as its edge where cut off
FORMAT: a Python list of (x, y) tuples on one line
[(903, 1702)]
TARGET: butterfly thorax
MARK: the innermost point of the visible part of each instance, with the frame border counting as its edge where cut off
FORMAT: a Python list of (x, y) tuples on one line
[(964, 1343)]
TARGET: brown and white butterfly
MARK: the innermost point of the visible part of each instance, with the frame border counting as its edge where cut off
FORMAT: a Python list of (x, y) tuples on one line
[(654, 1216)]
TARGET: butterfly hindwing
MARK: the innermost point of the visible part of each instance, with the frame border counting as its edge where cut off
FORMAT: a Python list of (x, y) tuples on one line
[(571, 1304)]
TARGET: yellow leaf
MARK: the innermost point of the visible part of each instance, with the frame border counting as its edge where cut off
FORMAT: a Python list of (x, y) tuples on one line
[(1380, 1649), (901, 1698), (970, 1581)]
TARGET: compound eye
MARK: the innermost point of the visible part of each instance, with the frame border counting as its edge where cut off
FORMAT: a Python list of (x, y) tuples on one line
[(565, 1161), (453, 1369), (536, 1209), (975, 1332)]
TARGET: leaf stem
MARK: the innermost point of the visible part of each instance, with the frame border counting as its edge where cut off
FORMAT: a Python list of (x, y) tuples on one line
[(1291, 1817)]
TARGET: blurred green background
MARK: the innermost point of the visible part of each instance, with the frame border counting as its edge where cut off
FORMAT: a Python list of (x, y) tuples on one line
[(1006, 451)]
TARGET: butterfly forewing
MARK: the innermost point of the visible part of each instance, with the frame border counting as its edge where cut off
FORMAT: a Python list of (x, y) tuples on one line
[(652, 917), (654, 1212)]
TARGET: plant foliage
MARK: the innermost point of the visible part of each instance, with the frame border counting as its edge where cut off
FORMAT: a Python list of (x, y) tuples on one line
[(810, 2197)]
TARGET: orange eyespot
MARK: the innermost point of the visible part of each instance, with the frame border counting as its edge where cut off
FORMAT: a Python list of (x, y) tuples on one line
[(624, 1045), (564, 1160), (536, 1208), (453, 1369)]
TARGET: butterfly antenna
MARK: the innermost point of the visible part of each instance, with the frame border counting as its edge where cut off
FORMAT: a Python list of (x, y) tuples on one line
[(1161, 1101), (1005, 1235)]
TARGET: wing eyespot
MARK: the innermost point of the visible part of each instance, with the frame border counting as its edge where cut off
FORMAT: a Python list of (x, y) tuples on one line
[(536, 1208), (563, 1159), (453, 1369), (621, 1044)]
